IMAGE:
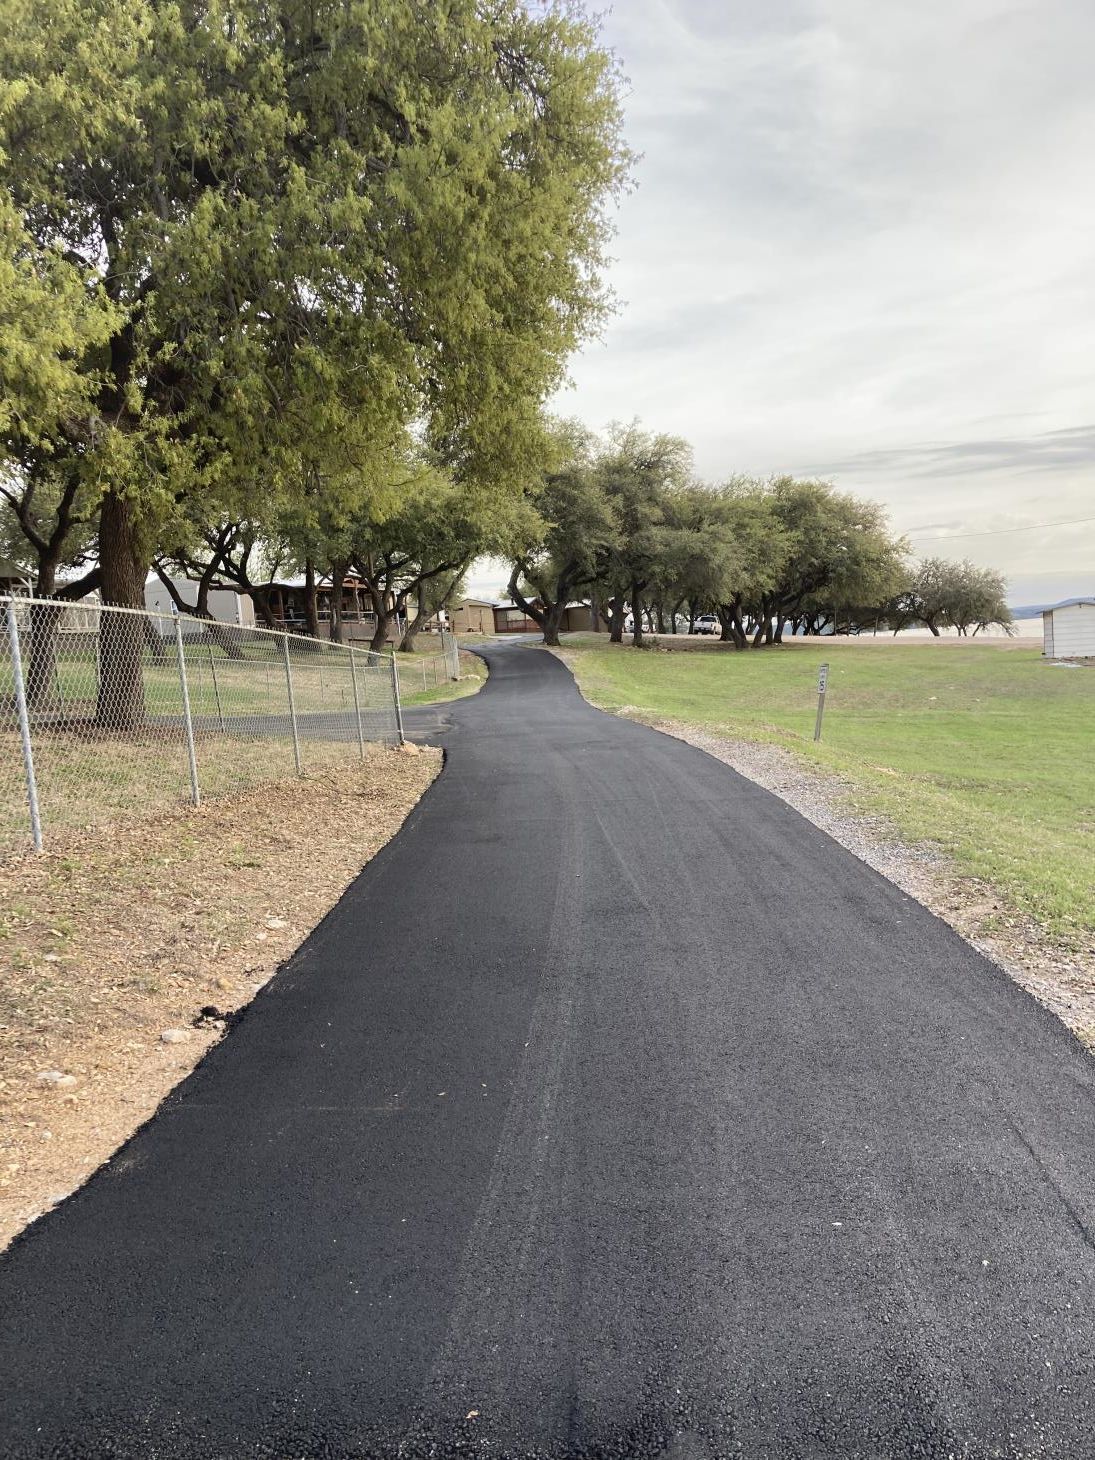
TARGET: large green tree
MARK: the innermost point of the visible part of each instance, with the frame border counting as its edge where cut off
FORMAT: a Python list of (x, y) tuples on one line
[(415, 555), (313, 221), (839, 552), (940, 593), (53, 315), (570, 533), (640, 471)]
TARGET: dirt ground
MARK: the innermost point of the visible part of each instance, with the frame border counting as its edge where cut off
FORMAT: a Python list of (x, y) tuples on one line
[(111, 950)]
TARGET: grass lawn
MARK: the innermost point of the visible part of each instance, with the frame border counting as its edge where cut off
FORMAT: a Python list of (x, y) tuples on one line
[(983, 749), (416, 688), (253, 683), (88, 779)]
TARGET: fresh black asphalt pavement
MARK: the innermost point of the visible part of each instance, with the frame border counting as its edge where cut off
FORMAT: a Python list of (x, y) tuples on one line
[(614, 1111)]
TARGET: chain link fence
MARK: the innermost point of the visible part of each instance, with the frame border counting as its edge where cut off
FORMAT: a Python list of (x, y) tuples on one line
[(421, 673), (107, 713)]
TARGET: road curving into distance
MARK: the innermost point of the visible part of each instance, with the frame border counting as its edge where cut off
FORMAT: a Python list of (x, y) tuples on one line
[(615, 1111)]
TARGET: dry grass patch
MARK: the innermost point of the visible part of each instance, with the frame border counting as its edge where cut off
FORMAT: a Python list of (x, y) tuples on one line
[(473, 675), (106, 946)]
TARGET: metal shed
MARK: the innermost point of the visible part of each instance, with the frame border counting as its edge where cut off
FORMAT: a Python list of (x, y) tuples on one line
[(1068, 629), (473, 616)]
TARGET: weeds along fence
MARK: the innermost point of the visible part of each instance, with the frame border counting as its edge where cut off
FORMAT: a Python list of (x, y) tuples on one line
[(109, 713), (418, 674)]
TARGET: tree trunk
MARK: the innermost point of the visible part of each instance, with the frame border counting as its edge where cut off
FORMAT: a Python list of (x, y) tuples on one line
[(124, 566), (636, 616), (378, 643), (733, 631), (539, 616), (612, 611), (422, 613), (552, 622), (311, 602), (384, 616), (260, 597), (42, 682), (338, 577)]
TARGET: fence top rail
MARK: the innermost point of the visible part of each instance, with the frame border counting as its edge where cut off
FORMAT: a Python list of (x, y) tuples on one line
[(81, 605)]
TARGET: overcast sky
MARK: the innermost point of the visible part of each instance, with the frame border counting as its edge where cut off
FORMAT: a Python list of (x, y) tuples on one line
[(861, 246)]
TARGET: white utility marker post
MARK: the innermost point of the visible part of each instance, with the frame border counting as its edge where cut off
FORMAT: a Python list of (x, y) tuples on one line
[(188, 723), (395, 697), (822, 681), (24, 727)]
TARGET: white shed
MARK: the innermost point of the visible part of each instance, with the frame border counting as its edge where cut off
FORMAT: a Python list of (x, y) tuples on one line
[(1069, 629), (225, 604)]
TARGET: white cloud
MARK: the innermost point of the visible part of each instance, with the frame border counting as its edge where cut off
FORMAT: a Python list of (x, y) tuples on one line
[(861, 243)]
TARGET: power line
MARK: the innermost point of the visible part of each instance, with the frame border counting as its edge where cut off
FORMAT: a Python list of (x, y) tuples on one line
[(998, 531)]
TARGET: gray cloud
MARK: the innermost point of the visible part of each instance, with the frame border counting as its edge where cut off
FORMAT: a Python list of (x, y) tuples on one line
[(1051, 451), (862, 235)]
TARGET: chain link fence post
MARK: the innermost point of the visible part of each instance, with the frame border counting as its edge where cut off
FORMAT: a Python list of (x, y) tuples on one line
[(395, 696), (24, 725), (357, 703), (292, 703), (188, 723)]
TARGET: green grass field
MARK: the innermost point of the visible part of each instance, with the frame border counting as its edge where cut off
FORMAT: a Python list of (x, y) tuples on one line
[(983, 749), (418, 689), (254, 684)]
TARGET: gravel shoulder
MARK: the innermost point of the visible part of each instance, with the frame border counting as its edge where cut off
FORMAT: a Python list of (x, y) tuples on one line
[(1060, 977), (112, 949)]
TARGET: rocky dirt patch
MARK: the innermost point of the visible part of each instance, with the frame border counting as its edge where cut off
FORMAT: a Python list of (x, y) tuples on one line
[(124, 959)]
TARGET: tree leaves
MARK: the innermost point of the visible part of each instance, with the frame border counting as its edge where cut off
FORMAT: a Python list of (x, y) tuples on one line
[(295, 234)]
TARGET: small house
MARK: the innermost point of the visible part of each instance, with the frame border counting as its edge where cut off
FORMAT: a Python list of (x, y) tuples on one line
[(1068, 629), (509, 619), (472, 616), (288, 603)]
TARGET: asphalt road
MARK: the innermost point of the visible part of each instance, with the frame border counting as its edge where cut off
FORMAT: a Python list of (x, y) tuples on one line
[(615, 1111)]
